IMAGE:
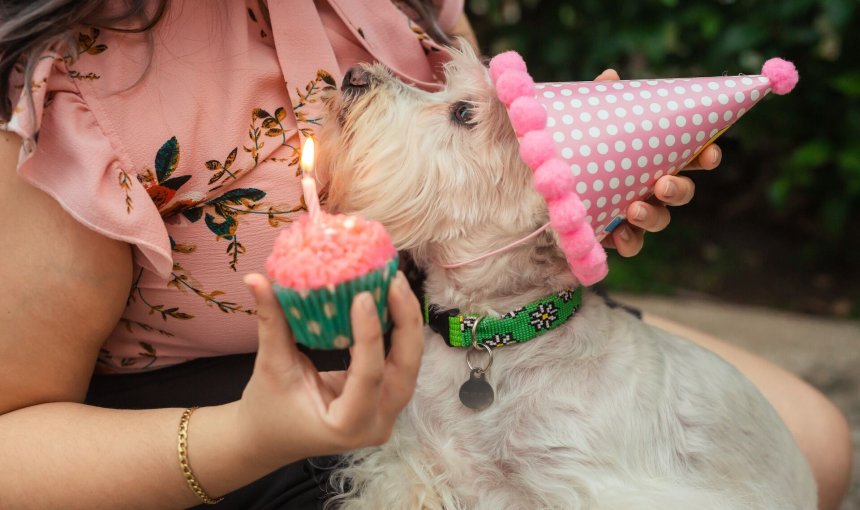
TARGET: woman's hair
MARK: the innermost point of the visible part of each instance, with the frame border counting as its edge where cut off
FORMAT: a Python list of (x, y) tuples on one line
[(29, 27)]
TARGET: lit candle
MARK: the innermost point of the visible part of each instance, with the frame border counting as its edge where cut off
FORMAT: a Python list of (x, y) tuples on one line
[(309, 182)]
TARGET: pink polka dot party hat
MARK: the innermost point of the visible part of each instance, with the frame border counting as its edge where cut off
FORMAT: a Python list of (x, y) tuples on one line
[(595, 147)]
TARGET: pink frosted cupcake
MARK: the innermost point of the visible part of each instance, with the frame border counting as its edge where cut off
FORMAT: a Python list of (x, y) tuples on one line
[(320, 265)]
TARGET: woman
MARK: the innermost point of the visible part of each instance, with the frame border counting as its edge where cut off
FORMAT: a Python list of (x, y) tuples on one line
[(165, 159)]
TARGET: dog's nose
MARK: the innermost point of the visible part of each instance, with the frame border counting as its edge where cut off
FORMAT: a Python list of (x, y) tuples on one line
[(355, 79)]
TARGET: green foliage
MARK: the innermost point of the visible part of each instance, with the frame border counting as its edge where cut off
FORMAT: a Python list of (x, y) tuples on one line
[(793, 162)]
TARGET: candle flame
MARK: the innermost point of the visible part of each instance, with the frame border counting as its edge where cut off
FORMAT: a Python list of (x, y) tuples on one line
[(307, 163)]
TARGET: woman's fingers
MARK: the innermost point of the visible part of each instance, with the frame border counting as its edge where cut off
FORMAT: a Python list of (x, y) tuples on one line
[(648, 217), (674, 190), (277, 346), (608, 75), (407, 346), (708, 159), (626, 239), (355, 407)]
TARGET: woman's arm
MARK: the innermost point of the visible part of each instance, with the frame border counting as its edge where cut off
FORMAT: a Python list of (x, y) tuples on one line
[(64, 289)]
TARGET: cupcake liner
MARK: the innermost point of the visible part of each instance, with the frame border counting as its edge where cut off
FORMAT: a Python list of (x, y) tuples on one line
[(319, 318)]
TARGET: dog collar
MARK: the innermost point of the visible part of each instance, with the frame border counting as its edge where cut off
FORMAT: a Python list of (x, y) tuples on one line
[(516, 326)]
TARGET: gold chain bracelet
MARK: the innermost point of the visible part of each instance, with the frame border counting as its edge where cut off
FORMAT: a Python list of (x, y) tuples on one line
[(183, 460)]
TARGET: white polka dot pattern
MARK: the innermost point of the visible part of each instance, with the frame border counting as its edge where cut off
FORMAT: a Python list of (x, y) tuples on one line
[(620, 138)]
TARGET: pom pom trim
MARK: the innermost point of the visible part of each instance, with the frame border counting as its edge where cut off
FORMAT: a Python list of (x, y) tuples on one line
[(591, 268), (782, 75)]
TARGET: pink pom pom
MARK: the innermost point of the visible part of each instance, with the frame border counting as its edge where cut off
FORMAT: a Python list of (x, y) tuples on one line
[(536, 147), (567, 214), (553, 179), (591, 268), (513, 84), (526, 115), (506, 61), (782, 75), (588, 278), (578, 243)]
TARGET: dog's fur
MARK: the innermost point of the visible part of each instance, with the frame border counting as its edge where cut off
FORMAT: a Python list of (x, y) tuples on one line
[(603, 412)]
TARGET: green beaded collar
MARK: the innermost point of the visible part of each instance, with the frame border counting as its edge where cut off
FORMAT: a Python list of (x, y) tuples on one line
[(516, 326)]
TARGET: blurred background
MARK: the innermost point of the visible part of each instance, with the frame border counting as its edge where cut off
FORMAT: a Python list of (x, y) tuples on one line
[(777, 223), (767, 254)]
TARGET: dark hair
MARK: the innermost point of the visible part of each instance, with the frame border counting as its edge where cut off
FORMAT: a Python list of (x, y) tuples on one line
[(423, 12), (30, 27)]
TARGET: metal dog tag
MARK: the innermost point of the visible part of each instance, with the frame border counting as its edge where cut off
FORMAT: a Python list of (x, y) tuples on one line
[(476, 393)]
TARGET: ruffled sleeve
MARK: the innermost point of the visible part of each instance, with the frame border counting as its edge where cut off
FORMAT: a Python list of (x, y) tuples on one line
[(66, 154), (449, 13)]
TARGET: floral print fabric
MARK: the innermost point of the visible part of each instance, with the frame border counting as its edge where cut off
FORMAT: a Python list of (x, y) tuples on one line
[(186, 147)]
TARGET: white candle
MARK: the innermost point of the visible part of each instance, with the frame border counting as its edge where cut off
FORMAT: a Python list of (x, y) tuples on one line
[(309, 182)]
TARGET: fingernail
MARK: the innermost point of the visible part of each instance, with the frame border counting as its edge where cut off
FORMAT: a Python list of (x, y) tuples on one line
[(717, 154), (365, 301), (624, 234), (639, 213), (250, 281), (669, 189)]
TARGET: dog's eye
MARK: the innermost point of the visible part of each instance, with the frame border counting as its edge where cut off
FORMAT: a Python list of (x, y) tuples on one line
[(461, 113)]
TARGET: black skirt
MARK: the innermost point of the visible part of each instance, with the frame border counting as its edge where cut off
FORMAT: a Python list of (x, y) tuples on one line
[(217, 381)]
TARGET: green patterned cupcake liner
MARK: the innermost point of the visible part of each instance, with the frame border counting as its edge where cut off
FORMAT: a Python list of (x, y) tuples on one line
[(319, 318)]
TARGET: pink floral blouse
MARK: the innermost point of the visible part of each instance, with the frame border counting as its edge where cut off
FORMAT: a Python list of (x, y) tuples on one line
[(184, 146)]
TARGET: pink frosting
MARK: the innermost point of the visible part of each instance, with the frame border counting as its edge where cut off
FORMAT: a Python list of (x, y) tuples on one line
[(337, 248)]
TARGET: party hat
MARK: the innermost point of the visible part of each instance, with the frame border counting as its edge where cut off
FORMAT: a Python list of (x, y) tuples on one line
[(595, 147)]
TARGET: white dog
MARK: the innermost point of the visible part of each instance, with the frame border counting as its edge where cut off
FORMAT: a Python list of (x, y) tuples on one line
[(603, 412)]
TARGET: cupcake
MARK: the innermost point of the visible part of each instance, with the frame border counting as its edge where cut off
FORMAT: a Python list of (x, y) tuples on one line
[(319, 264)]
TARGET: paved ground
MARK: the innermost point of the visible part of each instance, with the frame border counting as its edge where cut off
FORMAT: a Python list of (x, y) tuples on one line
[(824, 352)]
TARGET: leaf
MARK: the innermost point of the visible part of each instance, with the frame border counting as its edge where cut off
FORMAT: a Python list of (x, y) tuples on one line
[(326, 77), (166, 159), (260, 113), (214, 164), (127, 362), (280, 113), (194, 214), (225, 228), (236, 195), (176, 182), (147, 347), (231, 158), (274, 132), (270, 123), (216, 176), (252, 15), (95, 50)]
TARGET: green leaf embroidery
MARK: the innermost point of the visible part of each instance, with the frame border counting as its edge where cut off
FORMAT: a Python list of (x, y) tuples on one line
[(166, 159), (224, 229), (237, 196), (176, 182)]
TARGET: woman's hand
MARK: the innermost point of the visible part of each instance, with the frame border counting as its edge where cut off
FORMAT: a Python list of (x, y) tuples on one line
[(290, 411), (653, 216)]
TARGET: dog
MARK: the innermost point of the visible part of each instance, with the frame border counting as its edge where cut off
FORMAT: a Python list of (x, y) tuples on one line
[(603, 412)]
